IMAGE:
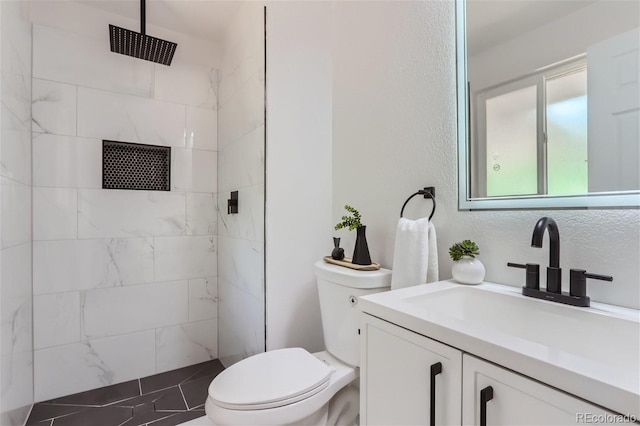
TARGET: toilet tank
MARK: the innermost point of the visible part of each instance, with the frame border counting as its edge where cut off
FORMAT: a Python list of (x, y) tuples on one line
[(338, 290)]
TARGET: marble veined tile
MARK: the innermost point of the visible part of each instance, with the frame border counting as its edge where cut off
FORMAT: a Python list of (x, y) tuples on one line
[(186, 344), (16, 331), (119, 213), (187, 84), (16, 348), (248, 223), (68, 265), (202, 214), (17, 387), (241, 163), (203, 299), (15, 140), (245, 36), (194, 170), (15, 207), (16, 96), (241, 324), (66, 161), (250, 65), (55, 213), (74, 59), (139, 307), (16, 30), (202, 129), (108, 115), (16, 272), (15, 65), (67, 369), (184, 257), (242, 113), (56, 319), (53, 107), (15, 323), (241, 263)]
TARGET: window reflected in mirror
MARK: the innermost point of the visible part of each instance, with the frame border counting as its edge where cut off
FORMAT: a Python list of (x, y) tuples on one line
[(534, 133)]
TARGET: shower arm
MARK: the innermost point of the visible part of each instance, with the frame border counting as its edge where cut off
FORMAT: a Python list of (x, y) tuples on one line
[(142, 17)]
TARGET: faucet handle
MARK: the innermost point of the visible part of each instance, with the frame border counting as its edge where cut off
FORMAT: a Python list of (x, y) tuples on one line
[(533, 274), (578, 281)]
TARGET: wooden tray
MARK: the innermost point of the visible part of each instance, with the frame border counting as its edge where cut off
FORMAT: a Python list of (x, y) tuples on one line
[(346, 262)]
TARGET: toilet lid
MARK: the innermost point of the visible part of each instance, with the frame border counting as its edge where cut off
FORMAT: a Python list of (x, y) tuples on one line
[(271, 379)]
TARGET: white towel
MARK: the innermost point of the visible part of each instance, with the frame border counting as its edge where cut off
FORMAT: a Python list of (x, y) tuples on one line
[(415, 255)]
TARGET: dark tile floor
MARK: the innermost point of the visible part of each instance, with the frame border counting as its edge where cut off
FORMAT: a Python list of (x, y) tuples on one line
[(165, 399)]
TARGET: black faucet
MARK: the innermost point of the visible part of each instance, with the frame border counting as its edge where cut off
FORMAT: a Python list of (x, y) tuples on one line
[(577, 295), (554, 273)]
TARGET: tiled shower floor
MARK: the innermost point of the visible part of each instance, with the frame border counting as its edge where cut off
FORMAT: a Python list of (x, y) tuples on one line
[(165, 399)]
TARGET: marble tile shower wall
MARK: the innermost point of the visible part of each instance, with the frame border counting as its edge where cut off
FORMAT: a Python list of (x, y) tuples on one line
[(242, 168), (16, 328), (124, 282)]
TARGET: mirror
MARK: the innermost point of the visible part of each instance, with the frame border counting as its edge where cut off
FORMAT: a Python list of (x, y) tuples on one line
[(548, 103)]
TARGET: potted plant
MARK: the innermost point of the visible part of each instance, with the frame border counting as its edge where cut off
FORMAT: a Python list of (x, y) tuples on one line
[(466, 269), (361, 251)]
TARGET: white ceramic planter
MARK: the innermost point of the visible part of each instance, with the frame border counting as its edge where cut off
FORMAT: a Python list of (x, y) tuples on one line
[(468, 270)]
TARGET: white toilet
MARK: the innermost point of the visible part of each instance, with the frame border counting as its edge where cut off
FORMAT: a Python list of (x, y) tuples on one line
[(292, 386)]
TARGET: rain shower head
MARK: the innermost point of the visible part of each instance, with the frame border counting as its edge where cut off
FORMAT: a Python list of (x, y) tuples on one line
[(139, 45)]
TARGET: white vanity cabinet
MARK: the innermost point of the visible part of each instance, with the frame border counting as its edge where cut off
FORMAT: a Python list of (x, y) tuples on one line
[(396, 386), (512, 399), (399, 371)]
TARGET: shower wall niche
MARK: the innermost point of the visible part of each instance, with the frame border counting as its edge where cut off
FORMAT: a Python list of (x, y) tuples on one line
[(124, 281)]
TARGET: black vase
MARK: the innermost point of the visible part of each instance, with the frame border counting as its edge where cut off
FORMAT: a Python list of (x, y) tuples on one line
[(361, 251), (337, 253)]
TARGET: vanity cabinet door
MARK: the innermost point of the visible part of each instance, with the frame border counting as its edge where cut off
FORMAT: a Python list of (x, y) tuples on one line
[(399, 369), (511, 399)]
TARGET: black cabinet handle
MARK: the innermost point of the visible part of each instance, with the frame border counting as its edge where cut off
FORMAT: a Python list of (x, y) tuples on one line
[(486, 395), (435, 370)]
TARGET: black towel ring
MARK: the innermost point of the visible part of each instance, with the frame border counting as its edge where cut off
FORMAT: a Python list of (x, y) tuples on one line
[(428, 192)]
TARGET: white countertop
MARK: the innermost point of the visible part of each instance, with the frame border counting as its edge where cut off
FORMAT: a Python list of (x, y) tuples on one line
[(607, 372)]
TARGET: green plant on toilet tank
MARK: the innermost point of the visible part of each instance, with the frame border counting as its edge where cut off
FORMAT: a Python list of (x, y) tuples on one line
[(466, 269), (354, 221)]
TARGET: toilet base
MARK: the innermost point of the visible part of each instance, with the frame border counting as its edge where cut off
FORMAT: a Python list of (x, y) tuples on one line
[(342, 410), (344, 407)]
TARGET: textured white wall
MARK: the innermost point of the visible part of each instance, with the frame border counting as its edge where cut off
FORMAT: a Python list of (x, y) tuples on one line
[(298, 216), (394, 115), (394, 132)]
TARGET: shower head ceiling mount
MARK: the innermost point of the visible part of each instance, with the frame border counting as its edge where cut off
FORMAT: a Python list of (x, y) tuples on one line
[(140, 45)]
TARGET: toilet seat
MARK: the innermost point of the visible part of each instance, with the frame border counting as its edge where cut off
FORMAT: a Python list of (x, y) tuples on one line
[(296, 413), (269, 380)]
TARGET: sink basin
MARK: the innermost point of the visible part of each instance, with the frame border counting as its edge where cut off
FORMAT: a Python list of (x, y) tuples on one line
[(593, 353), (588, 334)]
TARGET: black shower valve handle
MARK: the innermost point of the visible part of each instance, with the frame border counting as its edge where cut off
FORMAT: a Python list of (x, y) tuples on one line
[(532, 279)]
